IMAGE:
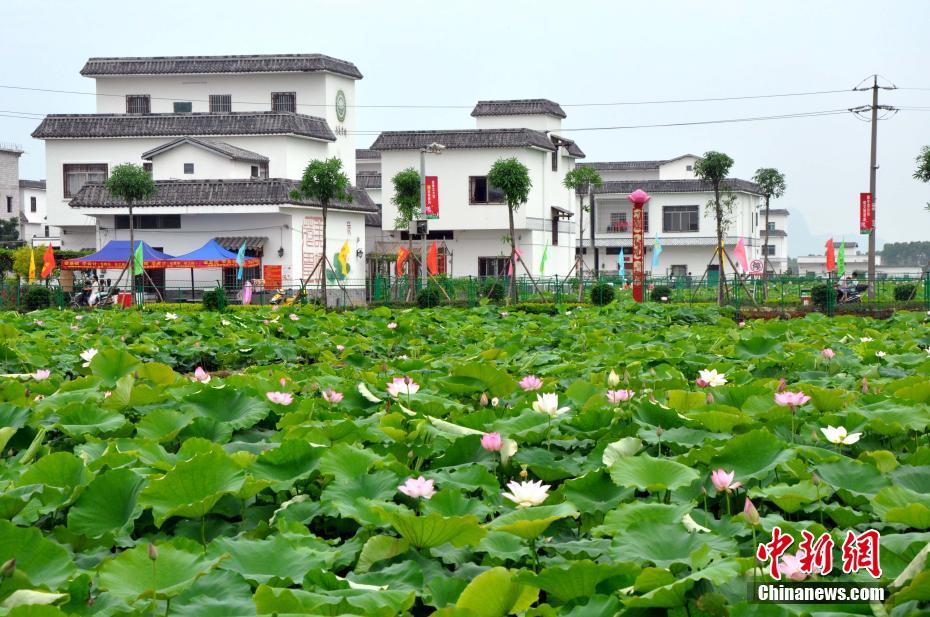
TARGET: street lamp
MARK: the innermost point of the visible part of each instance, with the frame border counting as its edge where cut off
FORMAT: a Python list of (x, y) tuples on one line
[(638, 198), (433, 148)]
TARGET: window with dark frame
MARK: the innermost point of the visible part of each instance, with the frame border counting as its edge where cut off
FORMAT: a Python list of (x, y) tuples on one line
[(32, 204), (679, 270), (492, 266), (771, 250), (188, 168), (9, 203), (771, 226), (231, 279), (679, 219), (77, 175), (220, 103), (555, 227), (284, 101), (254, 171), (481, 192), (555, 160), (147, 167), (183, 107), (138, 104), (148, 221), (46, 231)]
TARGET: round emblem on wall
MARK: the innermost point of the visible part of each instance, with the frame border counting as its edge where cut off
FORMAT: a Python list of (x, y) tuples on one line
[(341, 106)]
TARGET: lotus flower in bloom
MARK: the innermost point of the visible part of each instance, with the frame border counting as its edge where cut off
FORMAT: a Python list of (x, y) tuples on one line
[(392, 325), (88, 355), (530, 382), (402, 385), (880, 354), (791, 399), (790, 567), (79, 317), (827, 353), (73, 328), (613, 380), (224, 322), (549, 403), (280, 398), (491, 442), (340, 347), (526, 494), (170, 316), (417, 487), (750, 512), (38, 322), (41, 374), (495, 402), (332, 396), (711, 378), (201, 375), (866, 339), (107, 394), (838, 435), (723, 481), (619, 396)]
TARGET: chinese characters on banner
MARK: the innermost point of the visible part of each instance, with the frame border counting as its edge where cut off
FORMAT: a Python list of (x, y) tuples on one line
[(272, 276), (312, 247), (639, 273), (432, 197), (866, 213), (815, 556)]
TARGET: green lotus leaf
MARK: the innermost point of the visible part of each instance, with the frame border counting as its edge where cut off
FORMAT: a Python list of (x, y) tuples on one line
[(752, 454), (530, 522), (593, 492), (60, 474), (434, 529), (756, 347), (496, 381), (857, 478), (496, 593), (162, 424), (356, 497), (651, 474), (291, 461), (375, 603), (31, 597), (112, 364), (234, 408), (346, 461), (896, 504), (215, 594), (132, 575), (277, 558), (580, 579), (109, 504), (628, 446), (627, 515), (792, 497), (672, 595), (665, 544), (41, 561), (380, 548), (89, 419)]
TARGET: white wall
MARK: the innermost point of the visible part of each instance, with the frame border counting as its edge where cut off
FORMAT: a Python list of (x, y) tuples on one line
[(169, 165), (628, 174), (678, 169)]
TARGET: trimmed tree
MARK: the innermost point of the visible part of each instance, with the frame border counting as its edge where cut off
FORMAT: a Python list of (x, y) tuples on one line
[(407, 199), (513, 179), (131, 183), (323, 181), (922, 172), (583, 178), (714, 168), (772, 183)]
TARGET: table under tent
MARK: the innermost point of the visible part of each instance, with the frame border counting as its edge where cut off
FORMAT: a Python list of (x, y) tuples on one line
[(114, 256), (210, 255)]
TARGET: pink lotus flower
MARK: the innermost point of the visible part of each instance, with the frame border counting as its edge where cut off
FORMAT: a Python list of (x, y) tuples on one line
[(619, 396), (700, 383), (107, 394), (332, 396), (392, 325), (38, 322), (781, 385), (791, 399), (790, 567), (280, 398), (710, 378), (73, 328), (827, 353), (484, 401), (865, 385), (79, 317), (723, 481), (402, 386), (340, 347), (417, 487), (491, 442), (283, 381), (293, 317), (531, 382), (201, 375), (41, 374)]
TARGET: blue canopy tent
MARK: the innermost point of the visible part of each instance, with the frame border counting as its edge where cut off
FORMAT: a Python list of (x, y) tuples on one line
[(116, 255), (210, 255)]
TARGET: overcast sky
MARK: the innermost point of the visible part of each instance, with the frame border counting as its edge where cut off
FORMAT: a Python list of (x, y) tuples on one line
[(573, 52)]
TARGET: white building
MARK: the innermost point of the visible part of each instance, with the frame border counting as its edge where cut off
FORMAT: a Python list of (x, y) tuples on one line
[(677, 213), (857, 262), (473, 217), (778, 238), (34, 227), (225, 138)]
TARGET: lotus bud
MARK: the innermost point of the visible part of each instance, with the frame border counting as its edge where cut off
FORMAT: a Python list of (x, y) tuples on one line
[(659, 431), (865, 385), (153, 552), (613, 380), (752, 515), (815, 479), (484, 399), (524, 474), (781, 385), (8, 568), (710, 398)]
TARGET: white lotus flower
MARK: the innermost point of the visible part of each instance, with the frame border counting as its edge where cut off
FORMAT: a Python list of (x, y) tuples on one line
[(88, 355), (865, 339), (838, 435), (712, 378), (549, 403), (526, 494), (170, 316), (880, 354)]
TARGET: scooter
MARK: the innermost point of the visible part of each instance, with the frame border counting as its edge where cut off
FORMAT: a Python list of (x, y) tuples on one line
[(850, 295)]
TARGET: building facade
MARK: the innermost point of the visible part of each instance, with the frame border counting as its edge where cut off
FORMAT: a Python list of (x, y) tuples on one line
[(777, 238), (34, 225)]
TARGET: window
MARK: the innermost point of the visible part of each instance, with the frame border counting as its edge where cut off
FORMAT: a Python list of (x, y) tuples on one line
[(220, 103), (555, 160), (260, 170), (492, 266), (442, 234), (770, 250), (689, 167), (284, 101), (231, 279), (76, 176), (679, 270), (188, 168), (183, 107), (680, 218), (138, 104), (480, 192), (32, 204), (9, 203), (555, 229), (771, 226), (148, 221), (46, 231), (618, 222), (254, 171), (147, 167)]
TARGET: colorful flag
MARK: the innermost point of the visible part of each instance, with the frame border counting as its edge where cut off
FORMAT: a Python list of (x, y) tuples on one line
[(841, 260), (343, 258), (831, 257), (240, 259), (656, 251), (740, 253), (516, 255), (48, 262), (402, 254), (432, 259), (32, 267), (543, 259), (138, 260), (621, 265)]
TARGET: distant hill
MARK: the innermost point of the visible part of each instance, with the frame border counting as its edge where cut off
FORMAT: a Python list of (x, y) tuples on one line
[(906, 253)]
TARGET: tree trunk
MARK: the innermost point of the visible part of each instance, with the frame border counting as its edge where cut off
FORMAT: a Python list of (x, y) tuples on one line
[(720, 273), (765, 253), (411, 280), (513, 256), (325, 205), (579, 263)]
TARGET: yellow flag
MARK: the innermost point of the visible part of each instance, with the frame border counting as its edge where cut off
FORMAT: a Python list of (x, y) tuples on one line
[(343, 256), (32, 267)]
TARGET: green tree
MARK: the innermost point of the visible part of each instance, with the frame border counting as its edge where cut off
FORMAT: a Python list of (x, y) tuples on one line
[(131, 183), (513, 178), (714, 168), (21, 260), (407, 199), (915, 253), (323, 182), (922, 172), (772, 184), (581, 180), (9, 230)]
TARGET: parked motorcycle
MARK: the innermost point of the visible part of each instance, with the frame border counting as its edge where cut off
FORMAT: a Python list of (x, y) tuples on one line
[(850, 295)]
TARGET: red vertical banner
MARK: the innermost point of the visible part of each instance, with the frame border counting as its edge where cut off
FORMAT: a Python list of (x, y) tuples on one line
[(866, 213), (639, 251), (432, 197)]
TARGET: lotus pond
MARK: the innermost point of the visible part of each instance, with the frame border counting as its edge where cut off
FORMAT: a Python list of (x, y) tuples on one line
[(599, 461)]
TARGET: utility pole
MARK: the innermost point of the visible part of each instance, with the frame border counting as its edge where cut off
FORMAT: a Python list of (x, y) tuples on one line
[(597, 262)]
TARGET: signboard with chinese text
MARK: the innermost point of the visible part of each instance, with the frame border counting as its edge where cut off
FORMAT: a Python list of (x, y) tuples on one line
[(866, 213), (432, 197)]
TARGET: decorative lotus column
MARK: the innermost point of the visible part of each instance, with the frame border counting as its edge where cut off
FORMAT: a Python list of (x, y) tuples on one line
[(638, 198)]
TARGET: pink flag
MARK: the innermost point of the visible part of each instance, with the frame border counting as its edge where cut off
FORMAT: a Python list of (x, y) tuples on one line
[(247, 292), (517, 254), (740, 253)]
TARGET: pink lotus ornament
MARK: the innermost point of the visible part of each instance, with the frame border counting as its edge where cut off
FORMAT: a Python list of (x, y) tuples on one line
[(638, 197)]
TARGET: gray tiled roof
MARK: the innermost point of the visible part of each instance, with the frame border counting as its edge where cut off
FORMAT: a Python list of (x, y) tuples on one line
[(777, 211), (188, 65), (518, 107), (570, 145), (365, 153), (373, 219), (58, 126), (368, 179), (32, 184), (774, 233), (245, 192), (220, 147), (622, 165), (625, 187), (470, 138)]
